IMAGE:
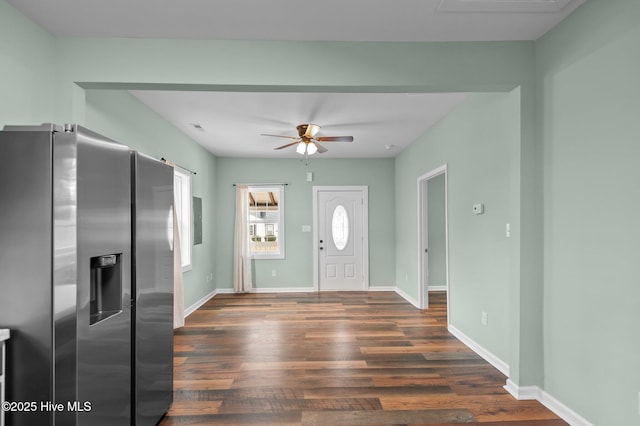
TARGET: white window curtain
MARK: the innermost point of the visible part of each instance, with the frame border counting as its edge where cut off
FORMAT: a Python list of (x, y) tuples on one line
[(178, 286), (242, 279)]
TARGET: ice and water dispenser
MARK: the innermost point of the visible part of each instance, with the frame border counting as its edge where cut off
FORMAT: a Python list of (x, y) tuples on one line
[(105, 287)]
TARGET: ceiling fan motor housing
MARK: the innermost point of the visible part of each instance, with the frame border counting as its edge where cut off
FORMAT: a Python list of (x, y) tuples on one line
[(307, 130)]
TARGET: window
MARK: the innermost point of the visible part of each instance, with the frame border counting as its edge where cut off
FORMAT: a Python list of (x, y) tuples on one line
[(266, 222), (340, 227), (182, 195)]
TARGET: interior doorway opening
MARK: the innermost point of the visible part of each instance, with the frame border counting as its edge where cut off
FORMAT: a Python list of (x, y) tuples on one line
[(433, 235)]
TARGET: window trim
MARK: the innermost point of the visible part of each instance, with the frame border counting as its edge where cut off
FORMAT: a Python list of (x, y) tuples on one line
[(185, 246), (281, 222)]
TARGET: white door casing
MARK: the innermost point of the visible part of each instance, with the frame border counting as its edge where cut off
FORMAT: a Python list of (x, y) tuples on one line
[(340, 235), (423, 270)]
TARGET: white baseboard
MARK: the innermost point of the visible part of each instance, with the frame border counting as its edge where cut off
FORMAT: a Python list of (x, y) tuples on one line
[(502, 366), (406, 297), (553, 404), (522, 393), (284, 290), (382, 288), (204, 300), (191, 309)]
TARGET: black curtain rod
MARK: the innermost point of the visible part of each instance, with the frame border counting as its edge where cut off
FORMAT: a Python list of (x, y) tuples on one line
[(260, 184), (190, 171)]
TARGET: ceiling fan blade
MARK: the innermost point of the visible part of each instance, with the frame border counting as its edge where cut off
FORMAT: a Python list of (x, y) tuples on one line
[(321, 148), (289, 144), (335, 139), (280, 136)]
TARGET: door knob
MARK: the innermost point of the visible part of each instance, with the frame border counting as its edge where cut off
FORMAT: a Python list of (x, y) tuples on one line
[(321, 248)]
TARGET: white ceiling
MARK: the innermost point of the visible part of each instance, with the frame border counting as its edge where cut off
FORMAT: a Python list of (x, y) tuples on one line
[(338, 20), (233, 121)]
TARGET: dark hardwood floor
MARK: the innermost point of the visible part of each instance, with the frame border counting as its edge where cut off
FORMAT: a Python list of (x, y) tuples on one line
[(334, 359)]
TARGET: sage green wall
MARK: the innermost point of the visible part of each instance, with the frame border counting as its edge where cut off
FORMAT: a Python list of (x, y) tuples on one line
[(436, 235), (365, 67), (120, 116), (296, 270), (588, 74), (478, 141), (584, 94), (27, 67), (78, 64)]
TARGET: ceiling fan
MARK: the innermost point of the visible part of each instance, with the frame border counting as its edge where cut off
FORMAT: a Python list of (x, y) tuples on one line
[(307, 142)]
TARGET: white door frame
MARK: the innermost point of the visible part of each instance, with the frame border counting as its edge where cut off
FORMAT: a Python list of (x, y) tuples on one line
[(423, 234), (365, 232)]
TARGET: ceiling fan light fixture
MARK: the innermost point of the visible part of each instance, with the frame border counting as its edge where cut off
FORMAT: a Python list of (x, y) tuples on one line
[(306, 148), (301, 148), (306, 143), (311, 148)]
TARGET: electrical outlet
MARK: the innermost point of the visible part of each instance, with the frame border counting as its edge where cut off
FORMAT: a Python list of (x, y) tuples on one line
[(508, 230), (484, 318), (273, 273)]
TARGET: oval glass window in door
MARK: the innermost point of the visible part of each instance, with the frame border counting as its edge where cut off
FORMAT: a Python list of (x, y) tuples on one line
[(340, 227)]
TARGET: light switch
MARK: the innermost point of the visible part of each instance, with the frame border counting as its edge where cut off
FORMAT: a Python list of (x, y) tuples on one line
[(309, 176), (306, 228)]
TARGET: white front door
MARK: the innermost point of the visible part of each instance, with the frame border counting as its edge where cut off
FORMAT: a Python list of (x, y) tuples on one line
[(341, 240)]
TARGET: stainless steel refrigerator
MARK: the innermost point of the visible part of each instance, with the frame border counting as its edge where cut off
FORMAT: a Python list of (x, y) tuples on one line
[(66, 261)]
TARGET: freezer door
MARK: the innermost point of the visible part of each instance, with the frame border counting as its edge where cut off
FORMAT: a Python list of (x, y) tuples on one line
[(104, 280), (153, 289)]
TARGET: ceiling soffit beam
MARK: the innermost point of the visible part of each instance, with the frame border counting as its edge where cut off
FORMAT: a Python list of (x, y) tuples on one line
[(510, 6)]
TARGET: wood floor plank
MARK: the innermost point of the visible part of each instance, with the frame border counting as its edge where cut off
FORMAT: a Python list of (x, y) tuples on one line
[(287, 418), (348, 358), (485, 408), (194, 408), (271, 405), (356, 418), (302, 365), (200, 384), (302, 381), (377, 391)]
